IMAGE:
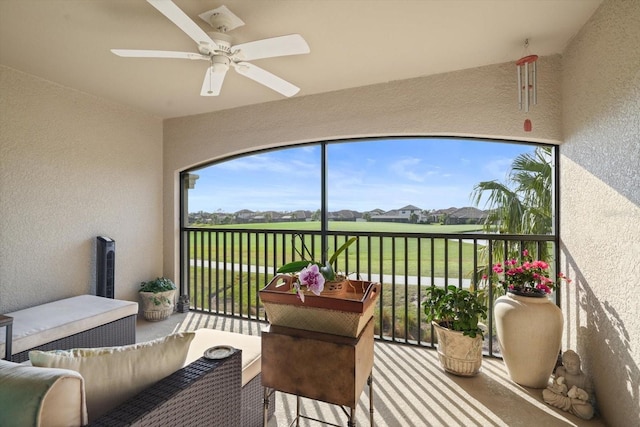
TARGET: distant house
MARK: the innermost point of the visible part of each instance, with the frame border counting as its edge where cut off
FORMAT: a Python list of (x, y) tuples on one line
[(302, 215), (267, 216), (467, 215), (296, 216), (441, 214), (390, 216), (344, 215), (406, 214), (409, 210), (243, 216)]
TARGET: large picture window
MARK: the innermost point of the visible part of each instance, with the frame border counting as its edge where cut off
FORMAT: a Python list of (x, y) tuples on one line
[(268, 187), (391, 180), (424, 212)]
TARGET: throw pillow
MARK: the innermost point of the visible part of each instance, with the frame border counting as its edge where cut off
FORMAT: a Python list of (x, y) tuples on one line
[(113, 375)]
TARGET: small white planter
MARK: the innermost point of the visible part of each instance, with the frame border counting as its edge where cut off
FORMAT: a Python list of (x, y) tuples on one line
[(459, 354), (157, 305)]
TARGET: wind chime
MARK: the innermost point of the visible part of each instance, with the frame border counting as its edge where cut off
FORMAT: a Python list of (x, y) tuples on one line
[(527, 89)]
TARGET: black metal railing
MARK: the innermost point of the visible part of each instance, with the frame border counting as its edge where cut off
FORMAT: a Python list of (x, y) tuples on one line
[(226, 267)]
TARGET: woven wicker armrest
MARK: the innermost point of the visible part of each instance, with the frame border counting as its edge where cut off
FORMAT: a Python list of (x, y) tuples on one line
[(206, 392)]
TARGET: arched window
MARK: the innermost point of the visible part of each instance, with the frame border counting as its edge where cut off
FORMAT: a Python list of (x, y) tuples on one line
[(401, 180), (426, 211)]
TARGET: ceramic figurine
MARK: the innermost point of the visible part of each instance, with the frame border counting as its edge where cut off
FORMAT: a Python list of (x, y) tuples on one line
[(571, 389)]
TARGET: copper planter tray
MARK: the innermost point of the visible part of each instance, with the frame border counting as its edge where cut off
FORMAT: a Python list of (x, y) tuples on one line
[(344, 314)]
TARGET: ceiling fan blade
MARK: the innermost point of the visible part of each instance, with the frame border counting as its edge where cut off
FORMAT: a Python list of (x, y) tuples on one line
[(292, 44), (266, 78), (213, 80), (178, 17), (133, 53)]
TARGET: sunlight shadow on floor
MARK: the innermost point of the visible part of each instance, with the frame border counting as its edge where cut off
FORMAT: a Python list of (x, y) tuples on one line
[(409, 387)]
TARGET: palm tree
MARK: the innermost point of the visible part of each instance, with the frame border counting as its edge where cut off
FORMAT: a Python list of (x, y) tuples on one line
[(521, 205)]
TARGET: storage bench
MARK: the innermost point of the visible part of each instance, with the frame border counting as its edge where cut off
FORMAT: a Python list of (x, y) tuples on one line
[(81, 321)]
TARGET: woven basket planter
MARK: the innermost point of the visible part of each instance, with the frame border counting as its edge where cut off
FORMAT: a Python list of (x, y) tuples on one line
[(458, 354), (343, 312), (157, 305)]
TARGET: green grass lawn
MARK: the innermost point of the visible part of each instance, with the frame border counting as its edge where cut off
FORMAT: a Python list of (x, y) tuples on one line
[(223, 290), (409, 254)]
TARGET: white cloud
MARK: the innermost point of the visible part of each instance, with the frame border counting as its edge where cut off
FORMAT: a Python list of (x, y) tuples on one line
[(408, 169), (497, 169)]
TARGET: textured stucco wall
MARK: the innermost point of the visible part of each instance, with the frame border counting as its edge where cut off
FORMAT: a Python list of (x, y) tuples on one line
[(73, 167), (600, 205), (479, 102)]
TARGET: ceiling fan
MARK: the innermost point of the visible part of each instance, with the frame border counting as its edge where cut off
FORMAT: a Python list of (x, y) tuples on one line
[(216, 47)]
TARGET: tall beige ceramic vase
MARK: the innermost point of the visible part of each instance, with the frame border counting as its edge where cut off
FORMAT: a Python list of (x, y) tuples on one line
[(530, 335)]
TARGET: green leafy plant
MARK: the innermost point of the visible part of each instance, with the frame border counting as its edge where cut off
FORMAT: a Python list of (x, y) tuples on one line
[(311, 275), (160, 284), (325, 269), (456, 309)]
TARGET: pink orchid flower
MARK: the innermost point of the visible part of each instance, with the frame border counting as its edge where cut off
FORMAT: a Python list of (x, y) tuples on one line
[(311, 277)]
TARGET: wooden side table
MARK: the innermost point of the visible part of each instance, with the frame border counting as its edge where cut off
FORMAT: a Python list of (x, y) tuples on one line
[(324, 367), (7, 322)]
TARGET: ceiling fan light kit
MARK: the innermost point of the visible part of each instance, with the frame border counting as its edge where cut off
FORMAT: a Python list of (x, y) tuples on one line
[(217, 48)]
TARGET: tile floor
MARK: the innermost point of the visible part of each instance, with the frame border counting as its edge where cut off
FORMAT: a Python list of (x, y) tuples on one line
[(410, 388)]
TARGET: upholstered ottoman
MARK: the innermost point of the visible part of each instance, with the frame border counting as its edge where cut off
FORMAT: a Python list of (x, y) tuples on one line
[(252, 391)]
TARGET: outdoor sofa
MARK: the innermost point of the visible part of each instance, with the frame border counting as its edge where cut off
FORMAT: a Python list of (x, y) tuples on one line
[(197, 390)]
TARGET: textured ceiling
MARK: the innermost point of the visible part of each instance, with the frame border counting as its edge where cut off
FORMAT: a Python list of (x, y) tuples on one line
[(353, 43)]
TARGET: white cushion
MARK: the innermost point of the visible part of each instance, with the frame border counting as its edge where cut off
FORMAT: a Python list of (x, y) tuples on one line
[(249, 344), (112, 375), (55, 320), (40, 396)]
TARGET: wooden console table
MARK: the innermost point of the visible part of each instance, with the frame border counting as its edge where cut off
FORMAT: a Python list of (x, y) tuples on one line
[(324, 367)]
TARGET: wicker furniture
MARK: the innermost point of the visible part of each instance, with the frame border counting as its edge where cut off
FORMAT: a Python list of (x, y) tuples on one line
[(120, 332), (7, 322), (206, 392), (252, 397), (251, 346), (81, 321)]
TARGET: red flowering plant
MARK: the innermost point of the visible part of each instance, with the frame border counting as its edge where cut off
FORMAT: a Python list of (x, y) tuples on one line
[(526, 277)]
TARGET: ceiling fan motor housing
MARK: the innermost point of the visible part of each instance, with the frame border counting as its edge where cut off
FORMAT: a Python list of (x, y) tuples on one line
[(223, 42)]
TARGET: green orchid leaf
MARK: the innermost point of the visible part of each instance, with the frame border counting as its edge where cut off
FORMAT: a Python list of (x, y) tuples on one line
[(341, 249), (294, 267)]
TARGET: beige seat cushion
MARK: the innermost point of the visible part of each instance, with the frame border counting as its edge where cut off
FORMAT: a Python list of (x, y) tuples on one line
[(112, 375), (44, 397), (55, 320), (249, 344)]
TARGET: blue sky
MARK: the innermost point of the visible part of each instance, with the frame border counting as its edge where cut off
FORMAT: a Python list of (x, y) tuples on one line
[(364, 175)]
